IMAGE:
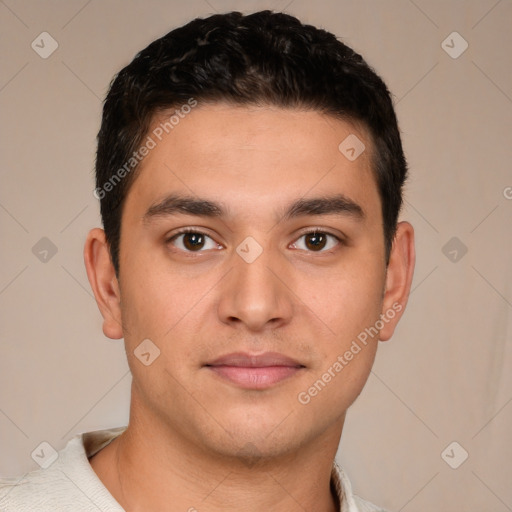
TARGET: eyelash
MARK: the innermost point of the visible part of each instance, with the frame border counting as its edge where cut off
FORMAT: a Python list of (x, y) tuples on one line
[(305, 233)]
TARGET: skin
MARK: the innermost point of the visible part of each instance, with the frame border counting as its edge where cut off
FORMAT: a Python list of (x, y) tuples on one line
[(195, 440)]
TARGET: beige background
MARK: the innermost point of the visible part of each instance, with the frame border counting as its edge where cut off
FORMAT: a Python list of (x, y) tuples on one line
[(445, 376)]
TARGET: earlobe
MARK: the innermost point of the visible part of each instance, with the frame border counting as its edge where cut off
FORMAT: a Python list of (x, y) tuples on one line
[(103, 281), (398, 278)]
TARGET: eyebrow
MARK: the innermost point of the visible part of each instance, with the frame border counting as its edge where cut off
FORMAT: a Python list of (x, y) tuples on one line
[(328, 205)]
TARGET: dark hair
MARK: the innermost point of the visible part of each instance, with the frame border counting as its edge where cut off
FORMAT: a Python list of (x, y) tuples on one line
[(264, 58)]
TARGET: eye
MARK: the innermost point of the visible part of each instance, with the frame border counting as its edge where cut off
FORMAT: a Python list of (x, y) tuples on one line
[(317, 241), (190, 240)]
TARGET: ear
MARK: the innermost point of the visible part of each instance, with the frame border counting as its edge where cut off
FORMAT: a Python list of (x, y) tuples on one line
[(398, 278), (103, 280)]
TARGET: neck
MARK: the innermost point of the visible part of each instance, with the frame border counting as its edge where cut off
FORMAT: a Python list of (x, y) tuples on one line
[(148, 468)]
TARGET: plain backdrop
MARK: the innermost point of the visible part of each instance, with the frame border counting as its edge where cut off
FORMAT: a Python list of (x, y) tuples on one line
[(445, 376)]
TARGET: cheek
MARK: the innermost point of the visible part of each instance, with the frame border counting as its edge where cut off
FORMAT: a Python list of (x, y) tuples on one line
[(334, 390), (348, 300), (152, 302), (170, 309), (345, 357)]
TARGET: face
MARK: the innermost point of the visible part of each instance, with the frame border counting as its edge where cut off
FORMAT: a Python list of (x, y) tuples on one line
[(259, 311)]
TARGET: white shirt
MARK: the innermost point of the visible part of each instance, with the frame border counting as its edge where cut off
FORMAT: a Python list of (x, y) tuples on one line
[(70, 484)]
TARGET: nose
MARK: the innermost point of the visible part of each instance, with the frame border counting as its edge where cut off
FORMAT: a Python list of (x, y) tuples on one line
[(255, 294)]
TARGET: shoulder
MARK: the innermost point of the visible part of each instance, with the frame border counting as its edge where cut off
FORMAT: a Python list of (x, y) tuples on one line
[(69, 483), (42, 490)]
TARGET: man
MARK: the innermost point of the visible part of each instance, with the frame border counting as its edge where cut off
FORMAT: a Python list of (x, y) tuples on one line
[(249, 171)]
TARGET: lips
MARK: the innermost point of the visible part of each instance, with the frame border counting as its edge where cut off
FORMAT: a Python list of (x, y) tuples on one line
[(241, 359), (250, 371)]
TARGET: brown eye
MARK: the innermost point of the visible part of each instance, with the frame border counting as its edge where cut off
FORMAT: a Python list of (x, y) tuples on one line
[(192, 241), (317, 241)]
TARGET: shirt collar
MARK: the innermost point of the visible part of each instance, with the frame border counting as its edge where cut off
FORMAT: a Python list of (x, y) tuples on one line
[(343, 489)]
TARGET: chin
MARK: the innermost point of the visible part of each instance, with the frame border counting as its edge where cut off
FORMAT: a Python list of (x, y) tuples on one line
[(256, 439)]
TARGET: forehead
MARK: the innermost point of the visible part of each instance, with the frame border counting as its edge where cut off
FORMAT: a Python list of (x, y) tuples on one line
[(248, 154)]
